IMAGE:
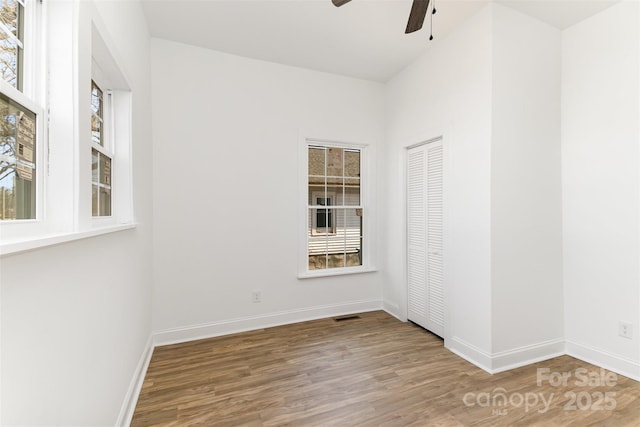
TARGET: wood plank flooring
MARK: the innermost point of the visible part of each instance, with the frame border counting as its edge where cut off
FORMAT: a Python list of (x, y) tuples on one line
[(370, 371)]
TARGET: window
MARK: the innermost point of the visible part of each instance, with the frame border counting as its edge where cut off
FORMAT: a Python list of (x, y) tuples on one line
[(100, 153), (82, 177), (20, 117), (107, 147), (334, 211)]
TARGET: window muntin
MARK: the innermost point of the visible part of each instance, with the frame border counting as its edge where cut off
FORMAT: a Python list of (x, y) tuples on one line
[(12, 42), (17, 161), (335, 220), (100, 154)]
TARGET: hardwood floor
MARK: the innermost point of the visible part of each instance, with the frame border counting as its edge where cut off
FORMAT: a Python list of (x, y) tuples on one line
[(370, 371)]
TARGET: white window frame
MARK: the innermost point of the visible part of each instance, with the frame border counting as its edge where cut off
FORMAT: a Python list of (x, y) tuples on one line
[(366, 180)]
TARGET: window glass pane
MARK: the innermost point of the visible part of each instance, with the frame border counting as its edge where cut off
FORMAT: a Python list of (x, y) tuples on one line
[(336, 254), (352, 163), (352, 191), (314, 191), (105, 170), (11, 13), (95, 165), (17, 193), (316, 172), (10, 55), (96, 130), (101, 184), (316, 161), (7, 194), (335, 161), (345, 244), (324, 220), (95, 200), (11, 37), (353, 236), (335, 190), (97, 116), (100, 201), (317, 242), (105, 201), (96, 100), (17, 161)]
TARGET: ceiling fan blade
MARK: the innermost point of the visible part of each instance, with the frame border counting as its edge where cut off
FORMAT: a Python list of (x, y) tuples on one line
[(338, 3), (417, 15)]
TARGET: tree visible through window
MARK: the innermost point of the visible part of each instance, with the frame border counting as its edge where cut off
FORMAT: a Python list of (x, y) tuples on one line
[(334, 207), (17, 161), (12, 41)]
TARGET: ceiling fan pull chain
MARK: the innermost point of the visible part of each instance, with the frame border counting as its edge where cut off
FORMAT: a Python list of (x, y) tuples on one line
[(433, 12)]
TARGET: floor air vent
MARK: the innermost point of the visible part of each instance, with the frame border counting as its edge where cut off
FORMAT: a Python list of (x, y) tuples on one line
[(343, 318)]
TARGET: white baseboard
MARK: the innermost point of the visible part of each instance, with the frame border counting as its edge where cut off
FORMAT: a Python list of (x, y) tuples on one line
[(393, 309), (470, 353), (613, 362), (243, 324), (131, 398), (522, 356), (494, 363)]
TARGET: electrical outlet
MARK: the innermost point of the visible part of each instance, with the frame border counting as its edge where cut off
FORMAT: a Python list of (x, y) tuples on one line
[(256, 296), (625, 329)]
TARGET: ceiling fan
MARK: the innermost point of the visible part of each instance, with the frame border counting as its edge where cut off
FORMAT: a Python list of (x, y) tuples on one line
[(416, 17)]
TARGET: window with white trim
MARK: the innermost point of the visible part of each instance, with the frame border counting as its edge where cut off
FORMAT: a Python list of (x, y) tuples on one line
[(334, 211), (101, 155), (110, 146), (20, 113)]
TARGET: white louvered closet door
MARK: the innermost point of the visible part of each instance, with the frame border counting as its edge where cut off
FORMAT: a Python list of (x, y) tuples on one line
[(424, 236)]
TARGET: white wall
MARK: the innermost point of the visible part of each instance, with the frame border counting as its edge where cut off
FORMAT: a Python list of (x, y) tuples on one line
[(226, 140), (446, 92), (600, 165), (75, 317), (492, 89), (526, 199)]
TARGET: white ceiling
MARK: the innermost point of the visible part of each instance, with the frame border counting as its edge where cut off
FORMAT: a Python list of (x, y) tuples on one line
[(363, 39)]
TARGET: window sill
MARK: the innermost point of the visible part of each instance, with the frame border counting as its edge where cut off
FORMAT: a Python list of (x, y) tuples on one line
[(11, 247), (335, 272)]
